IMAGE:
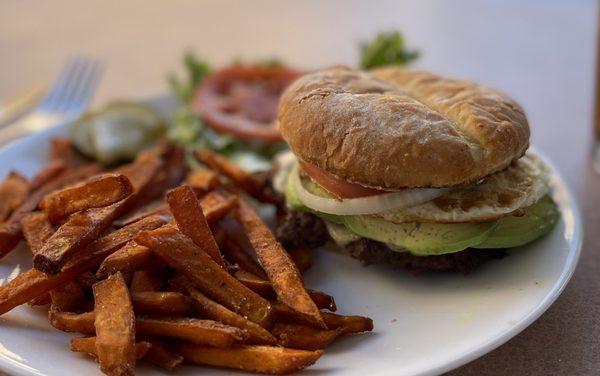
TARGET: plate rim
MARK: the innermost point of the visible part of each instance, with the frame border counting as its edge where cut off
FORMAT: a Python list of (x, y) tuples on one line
[(549, 299), (12, 366)]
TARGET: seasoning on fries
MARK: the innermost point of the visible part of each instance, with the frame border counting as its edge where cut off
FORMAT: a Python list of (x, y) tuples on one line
[(70, 297), (282, 272), (236, 254), (13, 191), (190, 219), (33, 283), (84, 226), (88, 345), (129, 258), (203, 332), (147, 280), (11, 230), (183, 255), (162, 356), (213, 310), (114, 322), (148, 271), (261, 359), (166, 303), (244, 180), (36, 229), (95, 193), (304, 337), (202, 181)]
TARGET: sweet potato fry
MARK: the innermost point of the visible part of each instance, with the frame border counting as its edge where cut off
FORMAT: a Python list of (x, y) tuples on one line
[(215, 206), (147, 280), (262, 359), (41, 300), (347, 324), (13, 191), (163, 303), (215, 311), (61, 149), (33, 283), (283, 274), (219, 234), (48, 173), (168, 177), (160, 355), (202, 181), (301, 258), (237, 255), (264, 289), (247, 182), (131, 257), (83, 227), (115, 326), (322, 300), (182, 254), (72, 322), (69, 297), (11, 230), (36, 230), (87, 279), (176, 167), (285, 314), (303, 337), (190, 219), (158, 206), (88, 345), (260, 286), (156, 269), (94, 193), (202, 332)]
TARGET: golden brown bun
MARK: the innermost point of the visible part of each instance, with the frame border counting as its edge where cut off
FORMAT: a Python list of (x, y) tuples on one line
[(393, 128)]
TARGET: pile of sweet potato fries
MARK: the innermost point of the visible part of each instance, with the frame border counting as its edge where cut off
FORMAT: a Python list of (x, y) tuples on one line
[(151, 261)]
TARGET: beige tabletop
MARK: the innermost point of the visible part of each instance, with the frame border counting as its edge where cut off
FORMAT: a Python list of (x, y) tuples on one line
[(542, 53)]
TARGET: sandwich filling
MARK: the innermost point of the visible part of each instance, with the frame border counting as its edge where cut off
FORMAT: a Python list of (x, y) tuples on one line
[(507, 209)]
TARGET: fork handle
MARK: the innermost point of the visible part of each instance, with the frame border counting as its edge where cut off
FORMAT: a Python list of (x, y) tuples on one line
[(27, 125)]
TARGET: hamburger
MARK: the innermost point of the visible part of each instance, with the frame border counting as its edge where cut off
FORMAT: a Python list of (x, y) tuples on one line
[(409, 168)]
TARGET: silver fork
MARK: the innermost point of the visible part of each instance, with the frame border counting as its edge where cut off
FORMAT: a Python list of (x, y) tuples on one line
[(67, 98)]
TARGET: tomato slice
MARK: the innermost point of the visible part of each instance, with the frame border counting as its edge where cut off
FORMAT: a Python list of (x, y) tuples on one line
[(243, 100), (335, 185)]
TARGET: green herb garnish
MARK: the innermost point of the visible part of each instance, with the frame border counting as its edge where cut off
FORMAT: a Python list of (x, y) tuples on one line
[(196, 70), (386, 49)]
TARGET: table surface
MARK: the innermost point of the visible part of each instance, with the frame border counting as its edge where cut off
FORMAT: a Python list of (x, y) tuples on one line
[(541, 52)]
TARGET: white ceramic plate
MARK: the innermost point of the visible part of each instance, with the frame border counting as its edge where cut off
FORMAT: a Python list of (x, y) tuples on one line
[(423, 325)]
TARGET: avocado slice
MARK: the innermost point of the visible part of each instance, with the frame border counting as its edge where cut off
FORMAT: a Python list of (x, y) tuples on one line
[(539, 219), (421, 238)]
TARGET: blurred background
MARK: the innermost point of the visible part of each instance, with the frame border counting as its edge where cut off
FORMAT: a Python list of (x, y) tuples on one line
[(540, 52)]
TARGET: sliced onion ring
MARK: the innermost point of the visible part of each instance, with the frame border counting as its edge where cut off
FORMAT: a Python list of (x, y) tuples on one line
[(364, 205)]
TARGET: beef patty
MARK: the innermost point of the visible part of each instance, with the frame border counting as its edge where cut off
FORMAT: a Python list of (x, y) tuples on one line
[(301, 229)]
